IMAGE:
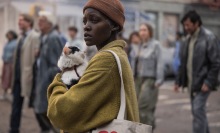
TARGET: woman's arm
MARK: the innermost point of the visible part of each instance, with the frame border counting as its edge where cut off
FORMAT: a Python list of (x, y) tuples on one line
[(94, 101), (160, 65)]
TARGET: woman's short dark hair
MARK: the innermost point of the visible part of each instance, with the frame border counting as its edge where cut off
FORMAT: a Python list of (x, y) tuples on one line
[(135, 33), (13, 33), (150, 29), (193, 16)]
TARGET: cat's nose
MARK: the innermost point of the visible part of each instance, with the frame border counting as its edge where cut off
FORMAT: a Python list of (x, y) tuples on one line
[(66, 50)]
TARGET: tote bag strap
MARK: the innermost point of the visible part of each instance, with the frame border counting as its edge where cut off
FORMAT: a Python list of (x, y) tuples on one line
[(121, 114)]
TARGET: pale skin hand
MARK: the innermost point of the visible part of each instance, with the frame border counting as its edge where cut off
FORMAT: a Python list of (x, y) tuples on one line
[(36, 52), (176, 88), (157, 86), (205, 88)]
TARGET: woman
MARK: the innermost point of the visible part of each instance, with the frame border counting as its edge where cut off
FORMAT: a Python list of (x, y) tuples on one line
[(95, 100), (149, 72), (7, 58), (134, 49)]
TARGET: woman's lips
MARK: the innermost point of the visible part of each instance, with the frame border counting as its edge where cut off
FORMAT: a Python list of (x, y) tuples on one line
[(87, 37)]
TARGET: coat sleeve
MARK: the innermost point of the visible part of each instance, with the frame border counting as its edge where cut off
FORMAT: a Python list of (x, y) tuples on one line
[(54, 52), (92, 102), (160, 65), (34, 47), (214, 62)]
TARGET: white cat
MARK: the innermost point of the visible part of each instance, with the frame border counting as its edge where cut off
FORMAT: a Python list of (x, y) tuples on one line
[(72, 63)]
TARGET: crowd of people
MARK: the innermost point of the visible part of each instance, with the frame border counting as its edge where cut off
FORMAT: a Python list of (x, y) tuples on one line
[(30, 65)]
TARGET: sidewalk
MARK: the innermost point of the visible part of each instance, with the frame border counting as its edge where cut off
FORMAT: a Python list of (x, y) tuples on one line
[(173, 113)]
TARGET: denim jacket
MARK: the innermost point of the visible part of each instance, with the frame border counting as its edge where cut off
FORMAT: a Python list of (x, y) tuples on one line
[(149, 61), (9, 51)]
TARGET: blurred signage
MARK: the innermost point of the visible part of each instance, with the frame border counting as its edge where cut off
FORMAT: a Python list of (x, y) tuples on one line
[(35, 9)]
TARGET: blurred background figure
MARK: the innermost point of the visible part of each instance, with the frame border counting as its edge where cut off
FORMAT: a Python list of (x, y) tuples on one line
[(23, 68), (90, 52), (49, 53), (72, 31), (149, 73), (74, 41), (176, 60), (121, 37), (8, 57), (134, 44), (62, 37), (199, 68)]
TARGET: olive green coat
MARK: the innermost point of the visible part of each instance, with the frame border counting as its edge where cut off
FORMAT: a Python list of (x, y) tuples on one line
[(95, 100)]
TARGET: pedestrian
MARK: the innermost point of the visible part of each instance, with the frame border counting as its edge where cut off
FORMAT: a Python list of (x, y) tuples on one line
[(7, 58), (149, 74), (176, 59), (74, 41), (95, 100), (199, 67), (49, 53), (90, 52), (62, 37), (134, 49), (22, 79), (121, 37)]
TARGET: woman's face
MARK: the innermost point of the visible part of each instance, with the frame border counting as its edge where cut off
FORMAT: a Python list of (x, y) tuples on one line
[(9, 36), (135, 39), (97, 28), (144, 32)]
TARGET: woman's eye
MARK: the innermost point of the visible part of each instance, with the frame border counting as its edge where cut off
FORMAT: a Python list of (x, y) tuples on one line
[(93, 20), (84, 22)]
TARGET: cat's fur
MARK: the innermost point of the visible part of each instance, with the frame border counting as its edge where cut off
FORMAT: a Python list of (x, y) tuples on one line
[(72, 56)]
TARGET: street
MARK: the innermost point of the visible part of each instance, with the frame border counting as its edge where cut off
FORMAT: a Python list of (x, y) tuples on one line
[(173, 113)]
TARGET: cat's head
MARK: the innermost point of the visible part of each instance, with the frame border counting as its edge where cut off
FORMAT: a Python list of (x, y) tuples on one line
[(71, 56), (74, 53)]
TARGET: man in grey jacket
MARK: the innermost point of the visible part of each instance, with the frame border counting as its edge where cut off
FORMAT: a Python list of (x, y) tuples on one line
[(46, 67), (199, 68)]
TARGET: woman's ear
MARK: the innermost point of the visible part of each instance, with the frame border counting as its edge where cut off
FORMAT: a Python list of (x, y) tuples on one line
[(115, 28)]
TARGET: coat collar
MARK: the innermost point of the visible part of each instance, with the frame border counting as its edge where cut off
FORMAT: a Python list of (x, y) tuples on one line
[(200, 34), (116, 43)]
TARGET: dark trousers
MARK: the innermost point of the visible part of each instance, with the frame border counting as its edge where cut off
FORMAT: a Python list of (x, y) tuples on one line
[(16, 108), (44, 123), (147, 96), (200, 122)]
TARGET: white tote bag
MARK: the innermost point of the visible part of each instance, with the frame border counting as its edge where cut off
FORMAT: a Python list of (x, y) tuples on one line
[(120, 125)]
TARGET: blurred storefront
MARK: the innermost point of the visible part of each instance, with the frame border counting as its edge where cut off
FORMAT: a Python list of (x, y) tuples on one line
[(168, 14), (67, 15), (163, 15)]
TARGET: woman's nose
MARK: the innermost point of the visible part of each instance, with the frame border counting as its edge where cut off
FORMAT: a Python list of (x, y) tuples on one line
[(87, 27)]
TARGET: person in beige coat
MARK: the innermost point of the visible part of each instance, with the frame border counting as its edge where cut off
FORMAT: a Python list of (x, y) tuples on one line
[(24, 59)]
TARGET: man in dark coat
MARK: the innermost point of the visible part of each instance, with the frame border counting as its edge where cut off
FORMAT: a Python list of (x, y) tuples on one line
[(199, 68), (46, 67)]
